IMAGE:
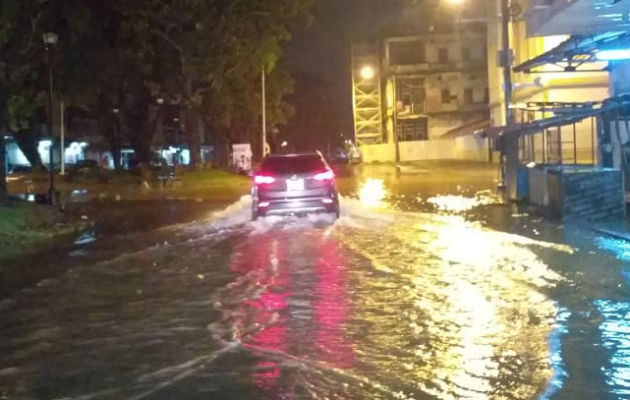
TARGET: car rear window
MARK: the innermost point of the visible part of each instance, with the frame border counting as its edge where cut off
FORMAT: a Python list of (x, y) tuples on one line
[(293, 164)]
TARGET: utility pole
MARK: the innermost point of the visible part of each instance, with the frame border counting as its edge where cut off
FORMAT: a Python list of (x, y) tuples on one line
[(264, 111), (62, 132), (50, 39), (510, 138)]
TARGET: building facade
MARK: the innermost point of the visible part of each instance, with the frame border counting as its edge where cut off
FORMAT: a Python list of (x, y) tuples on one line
[(413, 93), (570, 92)]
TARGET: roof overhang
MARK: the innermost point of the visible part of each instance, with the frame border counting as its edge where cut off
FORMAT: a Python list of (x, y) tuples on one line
[(563, 116), (576, 17), (573, 53)]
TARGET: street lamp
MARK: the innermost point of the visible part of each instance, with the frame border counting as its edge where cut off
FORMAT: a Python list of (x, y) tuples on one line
[(50, 40), (367, 72), (177, 126), (116, 147)]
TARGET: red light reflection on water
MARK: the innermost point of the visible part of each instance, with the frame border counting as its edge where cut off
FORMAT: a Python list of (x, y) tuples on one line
[(267, 263), (332, 307)]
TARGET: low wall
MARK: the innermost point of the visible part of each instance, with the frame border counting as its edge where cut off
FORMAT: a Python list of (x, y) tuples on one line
[(586, 193), (471, 148), (378, 153), (434, 149), (463, 148)]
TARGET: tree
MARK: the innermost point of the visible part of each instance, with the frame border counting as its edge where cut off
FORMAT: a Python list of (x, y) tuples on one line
[(20, 64), (116, 54), (218, 49), (109, 69)]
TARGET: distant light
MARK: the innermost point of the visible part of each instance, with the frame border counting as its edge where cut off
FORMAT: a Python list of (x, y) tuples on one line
[(531, 164), (455, 1), (613, 55), (50, 38), (372, 192), (367, 72), (284, 143)]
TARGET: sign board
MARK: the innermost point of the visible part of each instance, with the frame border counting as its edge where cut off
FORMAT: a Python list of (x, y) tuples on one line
[(242, 156)]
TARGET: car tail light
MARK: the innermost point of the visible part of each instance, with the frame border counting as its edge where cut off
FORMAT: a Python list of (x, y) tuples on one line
[(264, 204), (327, 201), (327, 175), (261, 179)]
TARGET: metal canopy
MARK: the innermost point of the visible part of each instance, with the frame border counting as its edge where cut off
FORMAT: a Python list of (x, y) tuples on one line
[(576, 51), (561, 117)]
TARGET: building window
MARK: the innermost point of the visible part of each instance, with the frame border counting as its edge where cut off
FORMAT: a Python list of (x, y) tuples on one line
[(443, 55), (411, 129), (465, 54), (446, 96), (409, 52), (468, 96), (410, 95)]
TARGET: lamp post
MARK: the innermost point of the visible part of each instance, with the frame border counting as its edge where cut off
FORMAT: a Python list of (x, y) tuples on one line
[(263, 111), (176, 121), (511, 139), (160, 116), (509, 153), (50, 40), (116, 147)]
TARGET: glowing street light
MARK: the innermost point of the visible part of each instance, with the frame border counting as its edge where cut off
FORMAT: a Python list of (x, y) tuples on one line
[(367, 72)]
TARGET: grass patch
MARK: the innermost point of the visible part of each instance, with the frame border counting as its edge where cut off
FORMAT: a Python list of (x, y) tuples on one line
[(27, 227), (214, 179)]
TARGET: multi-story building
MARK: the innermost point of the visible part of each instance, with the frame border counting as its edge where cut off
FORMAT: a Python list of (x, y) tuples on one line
[(412, 93)]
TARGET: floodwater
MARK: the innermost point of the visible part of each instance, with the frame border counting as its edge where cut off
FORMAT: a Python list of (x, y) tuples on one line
[(425, 288)]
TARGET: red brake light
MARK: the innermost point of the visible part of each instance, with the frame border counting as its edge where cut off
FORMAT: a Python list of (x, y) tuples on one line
[(327, 175), (260, 179)]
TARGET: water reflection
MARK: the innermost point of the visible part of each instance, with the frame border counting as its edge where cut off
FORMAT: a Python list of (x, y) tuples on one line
[(456, 203), (558, 365), (615, 331), (372, 192), (456, 311), (293, 310), (620, 248)]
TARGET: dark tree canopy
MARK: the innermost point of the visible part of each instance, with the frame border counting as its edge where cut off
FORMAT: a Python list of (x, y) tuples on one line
[(204, 55)]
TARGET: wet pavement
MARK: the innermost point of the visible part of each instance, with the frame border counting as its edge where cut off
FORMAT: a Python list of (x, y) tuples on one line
[(427, 287)]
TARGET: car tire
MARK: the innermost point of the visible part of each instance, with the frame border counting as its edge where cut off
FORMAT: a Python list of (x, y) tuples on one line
[(337, 210), (255, 213)]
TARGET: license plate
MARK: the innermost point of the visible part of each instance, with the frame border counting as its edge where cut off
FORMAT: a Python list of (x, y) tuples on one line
[(294, 185)]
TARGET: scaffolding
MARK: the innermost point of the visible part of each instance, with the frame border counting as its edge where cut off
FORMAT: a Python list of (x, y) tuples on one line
[(366, 93)]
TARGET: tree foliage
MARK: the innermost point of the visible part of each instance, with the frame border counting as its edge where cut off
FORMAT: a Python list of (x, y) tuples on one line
[(20, 69), (204, 55)]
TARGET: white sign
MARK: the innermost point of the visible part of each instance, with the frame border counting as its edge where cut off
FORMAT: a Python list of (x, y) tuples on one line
[(242, 156)]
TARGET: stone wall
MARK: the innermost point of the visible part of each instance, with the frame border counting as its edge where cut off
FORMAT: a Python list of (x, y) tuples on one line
[(586, 194)]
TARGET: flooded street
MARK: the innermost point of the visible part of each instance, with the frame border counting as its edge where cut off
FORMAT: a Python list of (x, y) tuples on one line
[(426, 288)]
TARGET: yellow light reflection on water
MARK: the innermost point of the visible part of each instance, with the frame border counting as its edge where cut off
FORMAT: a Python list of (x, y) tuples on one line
[(372, 192), (454, 203)]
